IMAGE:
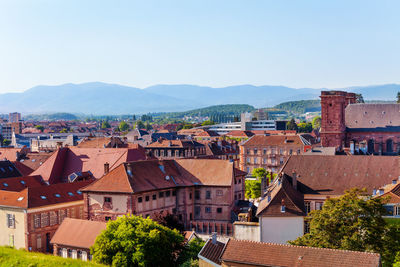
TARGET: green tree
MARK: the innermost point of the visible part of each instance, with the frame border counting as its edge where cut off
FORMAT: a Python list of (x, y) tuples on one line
[(209, 122), (187, 126), (139, 125), (304, 127), (148, 126), (40, 127), (135, 241), (398, 97), (6, 142), (64, 130), (352, 222), (291, 125), (123, 126), (190, 252), (259, 173), (105, 125), (316, 122)]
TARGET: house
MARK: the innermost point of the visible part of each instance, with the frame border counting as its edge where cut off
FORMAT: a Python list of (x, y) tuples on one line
[(392, 193), (102, 142), (74, 237), (30, 217), (52, 143), (201, 192), (270, 151), (306, 181), (73, 161), (239, 253), (344, 120), (170, 149), (207, 136)]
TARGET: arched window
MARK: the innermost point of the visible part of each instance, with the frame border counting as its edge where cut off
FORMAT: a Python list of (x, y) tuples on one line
[(371, 145), (389, 145)]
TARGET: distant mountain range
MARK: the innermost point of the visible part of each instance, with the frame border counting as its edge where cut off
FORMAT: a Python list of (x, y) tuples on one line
[(101, 98)]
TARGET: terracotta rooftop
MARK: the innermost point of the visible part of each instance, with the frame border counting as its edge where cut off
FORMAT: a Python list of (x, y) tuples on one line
[(252, 253), (332, 175), (35, 160), (78, 233), (239, 134), (66, 161), (7, 170), (43, 195), (275, 140), (174, 143), (208, 134), (22, 168), (212, 252), (20, 183), (282, 193), (372, 115), (141, 176)]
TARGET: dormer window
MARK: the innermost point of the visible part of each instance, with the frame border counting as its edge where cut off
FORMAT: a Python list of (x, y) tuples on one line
[(43, 197)]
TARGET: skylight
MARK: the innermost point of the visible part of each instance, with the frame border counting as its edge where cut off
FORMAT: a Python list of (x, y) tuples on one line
[(10, 168), (79, 192), (22, 182), (43, 197), (71, 194), (5, 184), (20, 198), (57, 195)]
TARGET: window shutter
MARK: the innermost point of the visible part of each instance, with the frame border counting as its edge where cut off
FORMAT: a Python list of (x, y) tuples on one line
[(13, 220)]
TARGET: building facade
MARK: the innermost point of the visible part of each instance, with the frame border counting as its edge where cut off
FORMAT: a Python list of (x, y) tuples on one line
[(367, 128), (171, 149), (200, 192)]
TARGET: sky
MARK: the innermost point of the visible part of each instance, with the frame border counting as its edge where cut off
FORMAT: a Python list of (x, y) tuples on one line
[(303, 43)]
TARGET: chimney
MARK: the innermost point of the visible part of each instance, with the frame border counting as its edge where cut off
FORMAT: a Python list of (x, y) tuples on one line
[(214, 238), (106, 167), (294, 179)]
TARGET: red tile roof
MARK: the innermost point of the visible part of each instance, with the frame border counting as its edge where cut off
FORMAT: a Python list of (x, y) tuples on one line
[(8, 169), (43, 195), (267, 254), (20, 183), (174, 143), (274, 140), (22, 168), (66, 161), (78, 233), (239, 134), (212, 252), (140, 176), (332, 175)]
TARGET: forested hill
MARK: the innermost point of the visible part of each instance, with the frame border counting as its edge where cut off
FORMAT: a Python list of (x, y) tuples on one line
[(226, 110), (300, 107)]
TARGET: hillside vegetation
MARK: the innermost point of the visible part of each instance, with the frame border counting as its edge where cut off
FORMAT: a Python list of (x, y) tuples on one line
[(301, 106), (13, 257)]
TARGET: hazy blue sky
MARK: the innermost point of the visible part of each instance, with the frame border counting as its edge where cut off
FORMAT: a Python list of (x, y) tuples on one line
[(216, 43)]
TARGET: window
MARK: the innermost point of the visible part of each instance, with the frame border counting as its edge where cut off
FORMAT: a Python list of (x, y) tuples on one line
[(255, 151), (272, 150), (283, 208), (36, 220), (273, 160), (107, 218), (107, 200), (61, 215), (264, 161), (160, 194), (197, 194), (208, 209), (240, 196), (39, 242), (281, 160), (248, 169), (147, 198), (174, 192), (298, 151), (208, 194), (10, 220), (306, 227), (307, 205), (219, 192), (190, 195), (53, 218), (44, 219), (140, 199), (176, 153), (219, 210), (255, 160), (264, 151), (248, 151), (291, 151), (168, 193), (197, 211), (281, 151), (397, 210), (239, 181), (190, 216), (248, 160), (154, 196), (318, 205)]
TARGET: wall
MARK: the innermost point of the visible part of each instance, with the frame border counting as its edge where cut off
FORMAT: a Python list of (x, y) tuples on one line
[(281, 229), (98, 210), (246, 231), (18, 232)]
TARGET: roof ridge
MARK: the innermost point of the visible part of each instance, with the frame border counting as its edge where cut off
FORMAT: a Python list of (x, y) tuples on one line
[(296, 246)]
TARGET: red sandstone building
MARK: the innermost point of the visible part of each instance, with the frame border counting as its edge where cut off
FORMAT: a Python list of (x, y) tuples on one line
[(364, 128), (201, 192)]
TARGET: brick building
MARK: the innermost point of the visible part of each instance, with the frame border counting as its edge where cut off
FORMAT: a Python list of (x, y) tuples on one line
[(201, 192), (270, 152), (364, 128), (171, 149), (30, 217)]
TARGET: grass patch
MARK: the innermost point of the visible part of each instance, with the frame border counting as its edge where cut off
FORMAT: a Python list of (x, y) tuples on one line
[(11, 257), (392, 221)]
